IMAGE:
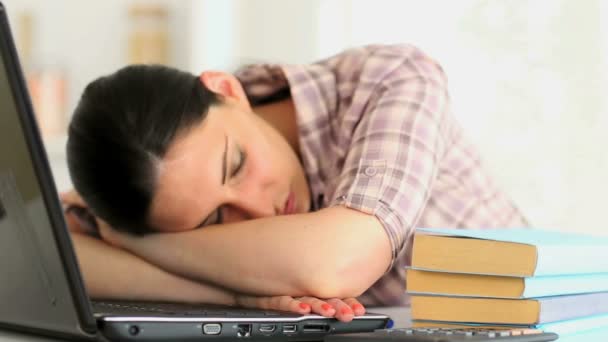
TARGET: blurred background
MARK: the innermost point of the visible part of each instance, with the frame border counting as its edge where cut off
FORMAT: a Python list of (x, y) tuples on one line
[(527, 77)]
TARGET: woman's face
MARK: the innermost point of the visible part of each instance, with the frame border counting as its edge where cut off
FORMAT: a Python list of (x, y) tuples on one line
[(233, 166)]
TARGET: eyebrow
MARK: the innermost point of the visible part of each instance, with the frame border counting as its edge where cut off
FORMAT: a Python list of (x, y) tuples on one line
[(224, 171)]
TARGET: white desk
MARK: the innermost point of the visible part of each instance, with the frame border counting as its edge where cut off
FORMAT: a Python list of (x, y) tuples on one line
[(400, 315)]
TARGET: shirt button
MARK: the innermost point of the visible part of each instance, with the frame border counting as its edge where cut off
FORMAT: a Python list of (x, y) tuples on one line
[(370, 171)]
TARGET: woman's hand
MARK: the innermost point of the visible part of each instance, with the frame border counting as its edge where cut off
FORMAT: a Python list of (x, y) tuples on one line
[(342, 309)]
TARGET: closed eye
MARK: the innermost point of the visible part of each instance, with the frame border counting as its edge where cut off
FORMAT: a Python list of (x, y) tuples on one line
[(239, 162), (242, 156)]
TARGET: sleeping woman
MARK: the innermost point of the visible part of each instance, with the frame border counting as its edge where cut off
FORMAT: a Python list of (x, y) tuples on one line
[(291, 187)]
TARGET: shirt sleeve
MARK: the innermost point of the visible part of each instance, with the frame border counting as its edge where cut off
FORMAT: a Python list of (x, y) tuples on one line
[(394, 153)]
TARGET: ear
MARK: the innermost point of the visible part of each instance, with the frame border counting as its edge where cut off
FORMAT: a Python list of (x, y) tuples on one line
[(225, 85)]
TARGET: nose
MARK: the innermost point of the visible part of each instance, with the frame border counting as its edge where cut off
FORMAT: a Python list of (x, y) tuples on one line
[(248, 208)]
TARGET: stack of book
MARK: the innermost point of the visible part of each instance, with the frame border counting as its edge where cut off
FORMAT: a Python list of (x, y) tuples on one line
[(504, 278)]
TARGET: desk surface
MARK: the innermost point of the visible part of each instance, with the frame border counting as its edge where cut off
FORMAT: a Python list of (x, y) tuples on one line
[(400, 315)]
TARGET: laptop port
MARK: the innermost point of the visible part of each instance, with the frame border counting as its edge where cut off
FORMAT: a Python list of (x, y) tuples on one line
[(133, 330), (212, 329), (267, 328), (243, 330), (315, 328), (290, 328)]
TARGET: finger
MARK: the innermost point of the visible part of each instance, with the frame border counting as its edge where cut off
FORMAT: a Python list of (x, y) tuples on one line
[(254, 302), (319, 306), (282, 303), (298, 306), (288, 303), (355, 305), (343, 312)]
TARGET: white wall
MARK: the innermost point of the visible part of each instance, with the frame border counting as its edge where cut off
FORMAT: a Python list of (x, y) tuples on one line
[(527, 77), (230, 33), (527, 80), (88, 39)]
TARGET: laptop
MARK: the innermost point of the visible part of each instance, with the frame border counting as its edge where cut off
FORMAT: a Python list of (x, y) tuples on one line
[(41, 288)]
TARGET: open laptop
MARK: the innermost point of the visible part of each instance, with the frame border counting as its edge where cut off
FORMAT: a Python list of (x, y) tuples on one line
[(41, 289)]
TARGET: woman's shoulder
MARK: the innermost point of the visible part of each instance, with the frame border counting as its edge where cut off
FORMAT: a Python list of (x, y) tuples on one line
[(375, 51), (374, 62)]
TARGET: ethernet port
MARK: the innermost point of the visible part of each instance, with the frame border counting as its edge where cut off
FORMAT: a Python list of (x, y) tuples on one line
[(243, 330)]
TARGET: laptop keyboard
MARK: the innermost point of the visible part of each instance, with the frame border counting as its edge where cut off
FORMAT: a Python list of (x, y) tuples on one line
[(171, 309)]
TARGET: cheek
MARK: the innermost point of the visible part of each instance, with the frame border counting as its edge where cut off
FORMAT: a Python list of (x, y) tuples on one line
[(258, 170), (182, 210), (266, 163), (268, 158)]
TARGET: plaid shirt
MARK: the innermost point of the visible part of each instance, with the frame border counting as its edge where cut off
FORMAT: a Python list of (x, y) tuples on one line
[(376, 135)]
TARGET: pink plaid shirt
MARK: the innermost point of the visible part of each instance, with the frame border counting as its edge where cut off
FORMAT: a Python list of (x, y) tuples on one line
[(376, 135)]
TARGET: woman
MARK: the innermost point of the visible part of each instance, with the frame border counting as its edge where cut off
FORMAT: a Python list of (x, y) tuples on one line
[(286, 187)]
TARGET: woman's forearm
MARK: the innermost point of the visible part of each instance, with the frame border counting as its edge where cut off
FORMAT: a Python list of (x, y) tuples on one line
[(112, 273), (337, 253)]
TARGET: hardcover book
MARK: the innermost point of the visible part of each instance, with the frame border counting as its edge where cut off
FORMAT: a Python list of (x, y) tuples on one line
[(508, 311), (474, 285), (514, 252)]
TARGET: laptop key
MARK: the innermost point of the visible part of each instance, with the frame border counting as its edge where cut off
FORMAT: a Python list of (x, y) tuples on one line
[(443, 335)]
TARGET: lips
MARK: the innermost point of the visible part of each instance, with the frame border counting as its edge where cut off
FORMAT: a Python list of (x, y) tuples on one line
[(290, 204)]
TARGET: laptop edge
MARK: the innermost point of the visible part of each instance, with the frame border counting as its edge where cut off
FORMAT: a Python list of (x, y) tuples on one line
[(85, 324)]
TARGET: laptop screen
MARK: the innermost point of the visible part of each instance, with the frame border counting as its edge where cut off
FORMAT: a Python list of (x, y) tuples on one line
[(35, 288)]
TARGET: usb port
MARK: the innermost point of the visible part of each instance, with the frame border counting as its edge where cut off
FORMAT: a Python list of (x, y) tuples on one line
[(315, 328), (267, 328), (290, 328)]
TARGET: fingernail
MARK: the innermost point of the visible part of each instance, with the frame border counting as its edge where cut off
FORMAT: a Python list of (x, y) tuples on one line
[(346, 311), (357, 307), (326, 307), (304, 306)]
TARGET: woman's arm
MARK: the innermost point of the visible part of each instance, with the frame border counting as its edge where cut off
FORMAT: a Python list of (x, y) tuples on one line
[(112, 273), (335, 252)]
